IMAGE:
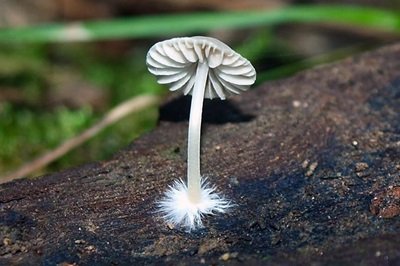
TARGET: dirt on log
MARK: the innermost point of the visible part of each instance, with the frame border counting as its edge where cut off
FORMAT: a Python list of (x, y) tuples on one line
[(312, 163)]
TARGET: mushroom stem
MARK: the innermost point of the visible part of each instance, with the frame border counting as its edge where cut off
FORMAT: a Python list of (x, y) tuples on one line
[(196, 108)]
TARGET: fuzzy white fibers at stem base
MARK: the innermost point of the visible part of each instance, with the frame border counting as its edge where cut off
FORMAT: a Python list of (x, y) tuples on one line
[(177, 208)]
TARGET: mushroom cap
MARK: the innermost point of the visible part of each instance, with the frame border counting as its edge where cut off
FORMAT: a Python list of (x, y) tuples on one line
[(174, 63)]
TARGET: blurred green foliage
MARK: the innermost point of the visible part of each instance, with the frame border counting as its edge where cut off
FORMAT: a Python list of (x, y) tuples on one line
[(26, 133), (29, 126)]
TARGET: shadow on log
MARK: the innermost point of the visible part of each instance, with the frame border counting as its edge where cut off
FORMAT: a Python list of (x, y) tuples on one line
[(312, 163)]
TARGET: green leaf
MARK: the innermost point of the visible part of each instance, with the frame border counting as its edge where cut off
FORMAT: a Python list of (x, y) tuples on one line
[(195, 23)]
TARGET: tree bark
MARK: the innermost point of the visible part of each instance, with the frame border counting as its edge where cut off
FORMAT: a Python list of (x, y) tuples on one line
[(311, 162)]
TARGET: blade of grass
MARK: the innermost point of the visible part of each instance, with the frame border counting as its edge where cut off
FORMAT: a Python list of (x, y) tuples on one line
[(155, 26)]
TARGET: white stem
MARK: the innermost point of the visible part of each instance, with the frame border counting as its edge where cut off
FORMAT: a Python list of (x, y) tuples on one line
[(196, 108)]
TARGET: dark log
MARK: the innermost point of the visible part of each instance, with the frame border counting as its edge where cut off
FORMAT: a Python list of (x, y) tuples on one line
[(312, 163)]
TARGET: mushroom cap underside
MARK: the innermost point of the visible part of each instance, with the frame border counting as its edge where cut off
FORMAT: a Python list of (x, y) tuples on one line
[(174, 62)]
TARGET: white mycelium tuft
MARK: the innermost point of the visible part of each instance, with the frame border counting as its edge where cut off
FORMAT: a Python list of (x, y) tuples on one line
[(179, 210)]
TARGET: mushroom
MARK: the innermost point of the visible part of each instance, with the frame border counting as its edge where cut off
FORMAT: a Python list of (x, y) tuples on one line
[(205, 68)]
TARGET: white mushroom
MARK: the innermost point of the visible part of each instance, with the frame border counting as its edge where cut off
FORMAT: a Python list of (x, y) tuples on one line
[(205, 68)]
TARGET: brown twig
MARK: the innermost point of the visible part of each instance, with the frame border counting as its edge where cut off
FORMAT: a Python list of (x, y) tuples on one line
[(128, 107)]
